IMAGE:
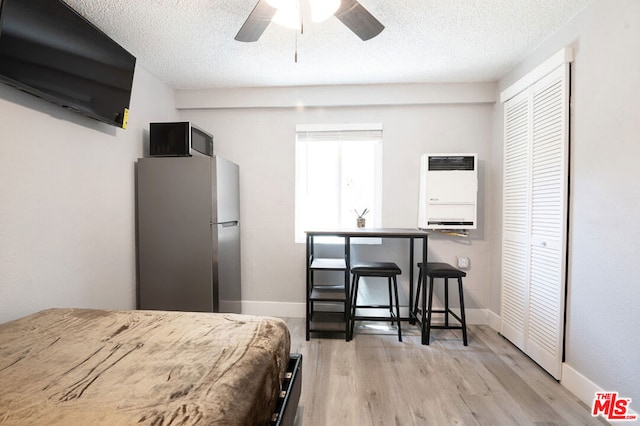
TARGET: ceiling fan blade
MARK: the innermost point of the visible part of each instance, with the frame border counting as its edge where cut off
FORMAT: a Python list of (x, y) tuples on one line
[(359, 20), (257, 21)]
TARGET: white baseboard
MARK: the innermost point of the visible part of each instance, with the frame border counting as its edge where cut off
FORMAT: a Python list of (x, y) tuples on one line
[(493, 320), (274, 309), (297, 310), (585, 389), (473, 316), (579, 385)]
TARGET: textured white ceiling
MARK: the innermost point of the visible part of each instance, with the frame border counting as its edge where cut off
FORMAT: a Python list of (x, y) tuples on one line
[(189, 44)]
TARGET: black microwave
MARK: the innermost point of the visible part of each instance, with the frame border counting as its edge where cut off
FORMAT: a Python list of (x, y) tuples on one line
[(178, 139)]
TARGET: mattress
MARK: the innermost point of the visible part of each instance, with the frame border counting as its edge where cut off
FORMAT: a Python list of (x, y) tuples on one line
[(81, 367)]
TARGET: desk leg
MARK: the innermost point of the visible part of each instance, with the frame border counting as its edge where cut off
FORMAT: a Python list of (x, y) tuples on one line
[(412, 318), (347, 289), (424, 290), (308, 289)]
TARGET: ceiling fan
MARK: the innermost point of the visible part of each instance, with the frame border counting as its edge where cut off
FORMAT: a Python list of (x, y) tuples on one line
[(349, 12)]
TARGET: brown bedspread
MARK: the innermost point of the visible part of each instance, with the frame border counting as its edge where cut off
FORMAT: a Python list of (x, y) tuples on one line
[(88, 367)]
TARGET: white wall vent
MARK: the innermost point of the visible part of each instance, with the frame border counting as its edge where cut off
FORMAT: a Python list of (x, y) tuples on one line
[(448, 191)]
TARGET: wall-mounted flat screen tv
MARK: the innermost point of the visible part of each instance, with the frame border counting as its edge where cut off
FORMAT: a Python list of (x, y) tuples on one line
[(49, 50)]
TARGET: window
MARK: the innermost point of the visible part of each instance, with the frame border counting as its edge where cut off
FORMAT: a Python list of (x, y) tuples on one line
[(338, 172)]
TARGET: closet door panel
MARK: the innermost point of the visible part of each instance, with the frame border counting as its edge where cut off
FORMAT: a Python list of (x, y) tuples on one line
[(548, 221), (515, 220)]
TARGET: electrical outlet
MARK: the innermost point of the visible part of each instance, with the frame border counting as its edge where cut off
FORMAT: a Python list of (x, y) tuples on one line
[(463, 262)]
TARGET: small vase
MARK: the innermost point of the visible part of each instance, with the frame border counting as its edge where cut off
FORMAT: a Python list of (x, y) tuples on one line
[(361, 222)]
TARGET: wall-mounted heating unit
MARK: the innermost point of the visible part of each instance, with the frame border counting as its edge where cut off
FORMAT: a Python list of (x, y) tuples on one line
[(448, 191)]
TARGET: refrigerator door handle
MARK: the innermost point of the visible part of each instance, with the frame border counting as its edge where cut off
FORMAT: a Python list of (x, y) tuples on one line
[(229, 223)]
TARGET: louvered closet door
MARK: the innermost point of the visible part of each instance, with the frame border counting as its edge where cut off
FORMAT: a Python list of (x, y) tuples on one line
[(515, 219), (549, 157), (535, 219)]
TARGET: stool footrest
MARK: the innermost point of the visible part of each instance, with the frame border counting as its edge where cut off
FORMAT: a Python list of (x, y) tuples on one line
[(370, 318), (446, 327), (449, 312), (373, 306)]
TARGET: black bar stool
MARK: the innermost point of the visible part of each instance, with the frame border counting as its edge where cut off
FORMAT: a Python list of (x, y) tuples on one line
[(387, 270), (445, 271)]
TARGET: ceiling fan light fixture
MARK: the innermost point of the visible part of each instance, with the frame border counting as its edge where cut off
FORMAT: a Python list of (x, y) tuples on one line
[(321, 10), (287, 14)]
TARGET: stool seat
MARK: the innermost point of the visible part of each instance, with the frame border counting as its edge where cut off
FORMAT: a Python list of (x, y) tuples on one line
[(442, 270), (376, 268)]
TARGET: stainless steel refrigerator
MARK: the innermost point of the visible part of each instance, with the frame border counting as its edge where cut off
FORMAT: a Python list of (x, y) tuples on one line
[(188, 234)]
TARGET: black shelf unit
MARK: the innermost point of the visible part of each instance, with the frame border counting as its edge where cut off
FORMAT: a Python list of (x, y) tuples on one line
[(328, 305)]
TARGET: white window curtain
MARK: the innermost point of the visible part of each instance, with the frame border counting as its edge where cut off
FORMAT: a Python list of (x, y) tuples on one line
[(338, 173)]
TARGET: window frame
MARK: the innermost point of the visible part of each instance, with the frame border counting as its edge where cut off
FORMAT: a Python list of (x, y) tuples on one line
[(345, 132)]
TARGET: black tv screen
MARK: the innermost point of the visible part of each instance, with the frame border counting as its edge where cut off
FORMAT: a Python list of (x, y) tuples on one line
[(49, 50)]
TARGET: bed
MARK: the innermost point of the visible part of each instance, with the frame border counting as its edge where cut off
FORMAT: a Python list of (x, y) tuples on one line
[(105, 367)]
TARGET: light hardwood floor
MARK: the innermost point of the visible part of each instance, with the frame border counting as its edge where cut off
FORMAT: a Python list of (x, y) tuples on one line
[(376, 380)]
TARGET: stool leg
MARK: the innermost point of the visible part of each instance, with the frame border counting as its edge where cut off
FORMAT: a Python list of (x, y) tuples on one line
[(352, 290), (446, 302), (462, 316), (395, 289), (423, 296), (354, 298), (428, 333), (389, 285), (415, 306)]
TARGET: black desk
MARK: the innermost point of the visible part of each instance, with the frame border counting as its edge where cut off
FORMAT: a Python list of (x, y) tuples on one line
[(314, 264)]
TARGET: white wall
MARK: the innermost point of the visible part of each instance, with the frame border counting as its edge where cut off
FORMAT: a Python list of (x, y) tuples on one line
[(67, 195), (602, 338), (67, 229), (261, 140)]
